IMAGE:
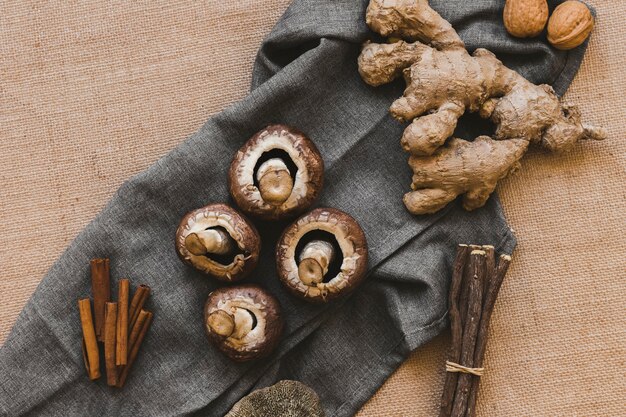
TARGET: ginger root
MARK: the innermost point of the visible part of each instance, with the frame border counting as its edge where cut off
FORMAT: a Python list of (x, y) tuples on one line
[(461, 167), (443, 82)]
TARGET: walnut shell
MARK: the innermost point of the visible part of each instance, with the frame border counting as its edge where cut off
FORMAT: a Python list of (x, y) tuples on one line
[(525, 18), (570, 25)]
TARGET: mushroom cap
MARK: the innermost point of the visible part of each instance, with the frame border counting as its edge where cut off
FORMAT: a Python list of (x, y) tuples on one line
[(308, 179), (240, 229), (351, 240), (264, 336)]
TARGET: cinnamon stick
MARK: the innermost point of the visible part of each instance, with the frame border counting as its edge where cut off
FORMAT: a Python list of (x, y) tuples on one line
[(489, 303), (470, 329), (134, 351), (110, 333), (91, 355), (136, 330), (455, 327), (121, 340), (137, 303), (101, 291)]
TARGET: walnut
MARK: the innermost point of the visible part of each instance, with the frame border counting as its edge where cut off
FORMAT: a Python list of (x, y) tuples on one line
[(525, 18), (570, 25)]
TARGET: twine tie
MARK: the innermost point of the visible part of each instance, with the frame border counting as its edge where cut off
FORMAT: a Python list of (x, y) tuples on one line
[(455, 367)]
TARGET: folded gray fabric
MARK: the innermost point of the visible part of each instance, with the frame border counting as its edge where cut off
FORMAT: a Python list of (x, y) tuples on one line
[(305, 76)]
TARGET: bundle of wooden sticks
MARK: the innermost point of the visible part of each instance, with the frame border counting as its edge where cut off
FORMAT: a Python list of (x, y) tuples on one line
[(120, 326), (476, 281)]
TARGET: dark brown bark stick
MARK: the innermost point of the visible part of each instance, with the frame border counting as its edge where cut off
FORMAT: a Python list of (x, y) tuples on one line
[(134, 333), (121, 340), (470, 330), (463, 301), (89, 342), (137, 303), (101, 291), (110, 323), (134, 351), (481, 343), (456, 328), (490, 267)]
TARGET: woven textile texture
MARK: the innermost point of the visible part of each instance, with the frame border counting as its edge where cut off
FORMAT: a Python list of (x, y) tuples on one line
[(90, 95)]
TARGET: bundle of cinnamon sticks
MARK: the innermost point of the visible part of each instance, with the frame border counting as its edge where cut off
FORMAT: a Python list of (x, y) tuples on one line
[(476, 282), (120, 326)]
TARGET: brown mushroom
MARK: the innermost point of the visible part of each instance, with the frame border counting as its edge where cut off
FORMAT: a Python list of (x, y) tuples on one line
[(276, 174), (243, 321), (218, 241), (322, 255)]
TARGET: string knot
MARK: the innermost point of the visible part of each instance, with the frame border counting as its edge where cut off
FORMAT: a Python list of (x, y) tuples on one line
[(455, 367)]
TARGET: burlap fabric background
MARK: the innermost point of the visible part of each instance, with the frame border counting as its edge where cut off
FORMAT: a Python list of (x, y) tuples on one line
[(93, 93)]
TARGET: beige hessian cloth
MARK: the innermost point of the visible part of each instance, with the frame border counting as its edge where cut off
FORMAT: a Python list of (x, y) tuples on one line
[(91, 94)]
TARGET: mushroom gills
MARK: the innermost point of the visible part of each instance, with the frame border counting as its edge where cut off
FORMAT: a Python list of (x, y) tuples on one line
[(274, 176), (245, 322), (214, 243), (236, 325), (319, 258)]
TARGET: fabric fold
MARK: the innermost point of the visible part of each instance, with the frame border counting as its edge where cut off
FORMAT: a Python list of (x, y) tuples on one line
[(305, 76)]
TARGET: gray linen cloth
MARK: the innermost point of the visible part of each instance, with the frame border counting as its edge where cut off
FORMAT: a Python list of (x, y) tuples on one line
[(306, 76)]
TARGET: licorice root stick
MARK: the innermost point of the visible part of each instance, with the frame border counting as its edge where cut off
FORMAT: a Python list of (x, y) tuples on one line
[(463, 301), (476, 282), (101, 292), (456, 328), (470, 329), (493, 289), (121, 340), (490, 268), (110, 333), (90, 344)]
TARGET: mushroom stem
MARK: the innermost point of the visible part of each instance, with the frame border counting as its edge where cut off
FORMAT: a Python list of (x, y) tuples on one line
[(209, 241), (236, 325), (222, 323), (275, 182), (314, 261)]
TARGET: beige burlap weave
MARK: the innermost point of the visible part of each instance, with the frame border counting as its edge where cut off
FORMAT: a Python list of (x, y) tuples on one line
[(91, 94)]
